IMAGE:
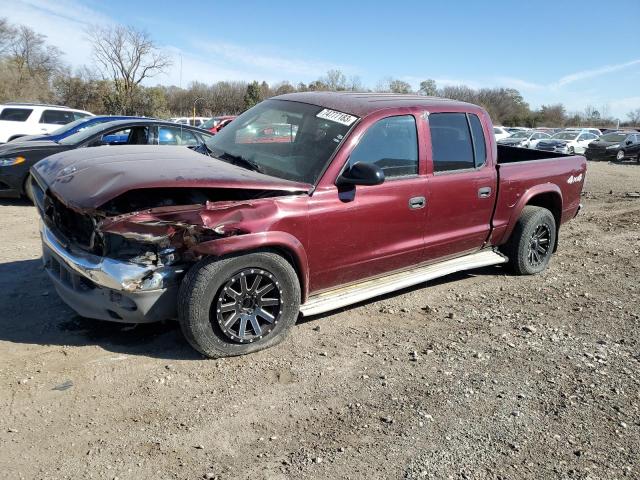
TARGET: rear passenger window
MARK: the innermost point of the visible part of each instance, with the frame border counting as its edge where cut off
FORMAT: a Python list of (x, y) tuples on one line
[(451, 144), (15, 114), (56, 117), (479, 147), (392, 145)]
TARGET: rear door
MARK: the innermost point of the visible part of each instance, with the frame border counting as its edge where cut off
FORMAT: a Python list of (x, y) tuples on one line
[(51, 120), (461, 187), (633, 149)]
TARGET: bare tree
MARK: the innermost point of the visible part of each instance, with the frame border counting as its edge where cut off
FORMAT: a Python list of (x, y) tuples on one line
[(32, 55), (127, 56), (7, 34), (335, 80), (634, 116)]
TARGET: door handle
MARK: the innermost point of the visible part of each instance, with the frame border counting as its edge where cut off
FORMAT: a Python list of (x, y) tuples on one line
[(417, 202), (484, 192)]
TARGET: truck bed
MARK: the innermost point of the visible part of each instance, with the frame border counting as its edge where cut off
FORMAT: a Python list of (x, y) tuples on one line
[(523, 173), (507, 154)]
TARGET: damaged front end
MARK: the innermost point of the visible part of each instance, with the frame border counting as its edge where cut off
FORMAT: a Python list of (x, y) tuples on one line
[(125, 260)]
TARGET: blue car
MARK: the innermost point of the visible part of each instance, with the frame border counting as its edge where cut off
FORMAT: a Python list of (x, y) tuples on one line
[(74, 127)]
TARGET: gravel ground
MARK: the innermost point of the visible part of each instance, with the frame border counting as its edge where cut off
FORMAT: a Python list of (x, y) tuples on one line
[(478, 375)]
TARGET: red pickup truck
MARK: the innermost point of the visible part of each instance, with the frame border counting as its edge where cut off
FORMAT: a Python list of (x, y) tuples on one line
[(373, 193)]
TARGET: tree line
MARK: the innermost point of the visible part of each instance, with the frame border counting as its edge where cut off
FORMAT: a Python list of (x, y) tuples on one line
[(124, 61)]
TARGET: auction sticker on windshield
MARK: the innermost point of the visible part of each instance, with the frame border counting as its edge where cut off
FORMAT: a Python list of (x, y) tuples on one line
[(335, 116)]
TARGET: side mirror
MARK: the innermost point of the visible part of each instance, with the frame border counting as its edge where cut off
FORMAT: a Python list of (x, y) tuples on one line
[(628, 142), (361, 173)]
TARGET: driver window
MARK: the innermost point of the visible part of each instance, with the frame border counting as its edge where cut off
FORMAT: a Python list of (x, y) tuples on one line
[(392, 145)]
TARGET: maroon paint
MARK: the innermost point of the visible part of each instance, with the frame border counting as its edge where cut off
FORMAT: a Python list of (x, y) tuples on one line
[(334, 236)]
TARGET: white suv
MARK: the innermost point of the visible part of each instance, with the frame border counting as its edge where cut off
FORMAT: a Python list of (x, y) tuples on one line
[(20, 119)]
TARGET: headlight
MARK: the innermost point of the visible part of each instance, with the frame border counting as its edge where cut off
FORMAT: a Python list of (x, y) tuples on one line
[(7, 162), (611, 147)]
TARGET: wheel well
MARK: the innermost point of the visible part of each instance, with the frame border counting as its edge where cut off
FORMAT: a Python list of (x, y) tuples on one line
[(552, 202), (14, 137), (289, 256)]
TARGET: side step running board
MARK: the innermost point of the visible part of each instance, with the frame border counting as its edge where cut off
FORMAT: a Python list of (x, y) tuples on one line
[(341, 297)]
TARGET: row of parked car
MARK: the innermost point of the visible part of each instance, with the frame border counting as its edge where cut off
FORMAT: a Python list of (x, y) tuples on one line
[(27, 139), (590, 142), (23, 151), (28, 119)]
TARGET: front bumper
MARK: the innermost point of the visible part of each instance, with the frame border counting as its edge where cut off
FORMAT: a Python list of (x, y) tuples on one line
[(109, 289), (600, 154), (555, 149), (11, 185)]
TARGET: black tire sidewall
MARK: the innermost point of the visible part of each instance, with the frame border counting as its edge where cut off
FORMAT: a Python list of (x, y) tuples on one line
[(529, 220), (200, 289)]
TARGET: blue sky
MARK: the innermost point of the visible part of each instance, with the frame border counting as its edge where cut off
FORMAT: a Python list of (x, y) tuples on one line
[(574, 52)]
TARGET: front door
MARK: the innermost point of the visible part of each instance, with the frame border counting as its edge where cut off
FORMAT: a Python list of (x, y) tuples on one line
[(364, 231)]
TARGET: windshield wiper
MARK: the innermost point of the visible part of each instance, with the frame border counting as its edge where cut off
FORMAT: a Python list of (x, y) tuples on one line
[(240, 161)]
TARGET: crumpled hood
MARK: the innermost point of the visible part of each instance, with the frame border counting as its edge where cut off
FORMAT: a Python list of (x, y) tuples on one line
[(87, 178)]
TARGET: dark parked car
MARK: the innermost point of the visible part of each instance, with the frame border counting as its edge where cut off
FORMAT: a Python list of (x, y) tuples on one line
[(373, 193), (17, 158), (73, 127), (615, 146)]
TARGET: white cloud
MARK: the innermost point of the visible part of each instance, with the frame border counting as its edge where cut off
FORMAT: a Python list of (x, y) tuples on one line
[(596, 72), (249, 57), (64, 22)]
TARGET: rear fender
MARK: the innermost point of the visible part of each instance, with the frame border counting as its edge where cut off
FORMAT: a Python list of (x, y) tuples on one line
[(538, 192)]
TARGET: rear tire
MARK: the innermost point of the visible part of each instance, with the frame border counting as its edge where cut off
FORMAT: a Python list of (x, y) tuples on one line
[(532, 241), (223, 312)]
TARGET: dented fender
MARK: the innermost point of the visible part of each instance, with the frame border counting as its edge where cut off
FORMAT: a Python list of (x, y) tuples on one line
[(216, 228), (254, 241)]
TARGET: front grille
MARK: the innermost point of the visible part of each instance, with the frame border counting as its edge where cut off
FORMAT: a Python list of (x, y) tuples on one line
[(72, 225)]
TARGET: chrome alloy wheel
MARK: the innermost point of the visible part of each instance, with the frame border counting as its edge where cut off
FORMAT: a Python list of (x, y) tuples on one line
[(539, 245), (249, 305)]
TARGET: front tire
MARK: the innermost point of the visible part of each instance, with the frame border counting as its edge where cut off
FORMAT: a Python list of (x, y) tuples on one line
[(238, 304), (532, 241), (620, 155), (572, 151)]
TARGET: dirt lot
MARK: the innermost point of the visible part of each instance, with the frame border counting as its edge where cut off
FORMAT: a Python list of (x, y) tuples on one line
[(515, 377)]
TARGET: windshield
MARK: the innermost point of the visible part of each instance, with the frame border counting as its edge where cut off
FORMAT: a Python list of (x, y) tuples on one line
[(565, 135), (613, 137), (283, 139), (520, 135), (69, 126)]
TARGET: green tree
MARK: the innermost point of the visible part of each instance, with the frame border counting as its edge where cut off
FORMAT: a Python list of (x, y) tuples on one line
[(428, 87), (253, 95), (399, 86)]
